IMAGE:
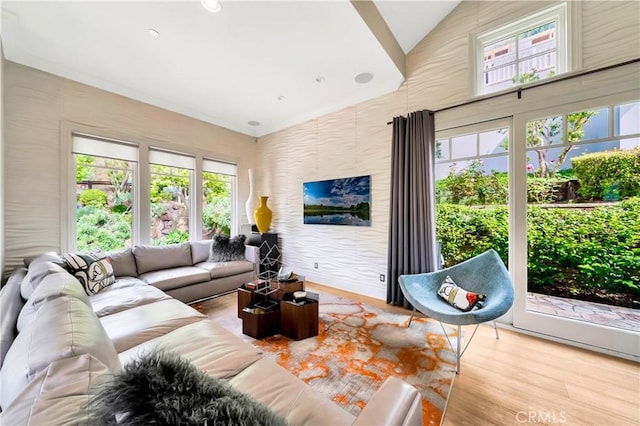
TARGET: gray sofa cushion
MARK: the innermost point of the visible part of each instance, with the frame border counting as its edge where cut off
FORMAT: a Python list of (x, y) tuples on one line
[(54, 285), (37, 271), (154, 258), (200, 251), (11, 303), (123, 263), (49, 256), (126, 282), (225, 269), (134, 326), (169, 279), (63, 328), (58, 394), (224, 355), (116, 299)]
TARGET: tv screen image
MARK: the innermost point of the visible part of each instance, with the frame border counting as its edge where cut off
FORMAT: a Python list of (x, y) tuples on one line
[(338, 201)]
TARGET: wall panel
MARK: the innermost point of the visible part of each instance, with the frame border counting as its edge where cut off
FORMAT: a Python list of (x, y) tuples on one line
[(610, 32), (350, 142)]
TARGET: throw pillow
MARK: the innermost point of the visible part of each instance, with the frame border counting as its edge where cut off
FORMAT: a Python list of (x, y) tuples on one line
[(459, 297), (163, 388), (93, 270), (225, 249)]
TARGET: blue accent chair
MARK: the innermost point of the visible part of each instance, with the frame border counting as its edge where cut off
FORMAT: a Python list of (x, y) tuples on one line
[(484, 273)]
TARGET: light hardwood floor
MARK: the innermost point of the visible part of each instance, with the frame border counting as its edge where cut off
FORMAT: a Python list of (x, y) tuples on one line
[(520, 379)]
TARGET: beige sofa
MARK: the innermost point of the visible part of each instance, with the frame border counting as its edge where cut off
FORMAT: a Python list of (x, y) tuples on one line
[(68, 342), (183, 271)]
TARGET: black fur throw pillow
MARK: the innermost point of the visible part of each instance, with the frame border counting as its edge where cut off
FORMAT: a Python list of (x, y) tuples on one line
[(163, 388), (224, 249)]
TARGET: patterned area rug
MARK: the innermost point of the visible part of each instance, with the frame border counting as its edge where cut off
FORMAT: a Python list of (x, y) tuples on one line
[(357, 348)]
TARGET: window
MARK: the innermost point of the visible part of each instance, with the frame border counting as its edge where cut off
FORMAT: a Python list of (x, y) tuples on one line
[(105, 173), (472, 190), (218, 183), (104, 196), (528, 50), (169, 193), (472, 167)]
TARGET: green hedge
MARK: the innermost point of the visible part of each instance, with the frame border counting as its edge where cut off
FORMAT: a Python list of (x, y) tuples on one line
[(585, 248), (611, 175), (479, 189), (93, 198)]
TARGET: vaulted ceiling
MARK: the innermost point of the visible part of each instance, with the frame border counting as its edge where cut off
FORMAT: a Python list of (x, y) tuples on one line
[(255, 67)]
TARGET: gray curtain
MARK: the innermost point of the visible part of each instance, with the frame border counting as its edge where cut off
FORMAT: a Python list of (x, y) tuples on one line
[(412, 215)]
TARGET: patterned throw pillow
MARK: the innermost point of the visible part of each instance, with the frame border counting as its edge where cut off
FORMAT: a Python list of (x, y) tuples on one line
[(459, 297), (225, 249), (93, 270)]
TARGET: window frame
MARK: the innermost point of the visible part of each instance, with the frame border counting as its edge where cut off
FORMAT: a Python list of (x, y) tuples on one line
[(140, 191), (131, 154), (174, 160), (217, 167), (568, 57)]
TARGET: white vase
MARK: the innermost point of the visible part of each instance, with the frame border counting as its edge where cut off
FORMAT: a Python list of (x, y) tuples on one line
[(252, 202)]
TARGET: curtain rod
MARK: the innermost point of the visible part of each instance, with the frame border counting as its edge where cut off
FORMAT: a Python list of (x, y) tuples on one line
[(519, 90)]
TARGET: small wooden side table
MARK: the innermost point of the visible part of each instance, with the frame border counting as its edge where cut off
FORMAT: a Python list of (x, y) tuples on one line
[(246, 296), (299, 319), (258, 323)]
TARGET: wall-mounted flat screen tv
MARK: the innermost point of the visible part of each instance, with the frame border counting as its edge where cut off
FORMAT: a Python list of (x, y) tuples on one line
[(338, 201)]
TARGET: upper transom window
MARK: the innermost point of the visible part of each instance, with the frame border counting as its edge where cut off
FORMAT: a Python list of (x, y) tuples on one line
[(530, 49)]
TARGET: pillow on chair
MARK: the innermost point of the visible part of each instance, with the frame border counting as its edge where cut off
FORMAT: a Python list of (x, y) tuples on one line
[(459, 297)]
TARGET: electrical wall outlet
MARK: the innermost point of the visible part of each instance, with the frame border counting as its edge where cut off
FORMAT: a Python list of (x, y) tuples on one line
[(315, 265), (381, 278)]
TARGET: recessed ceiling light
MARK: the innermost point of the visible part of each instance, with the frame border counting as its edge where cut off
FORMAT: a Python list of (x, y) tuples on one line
[(320, 79), (281, 98), (153, 33), (253, 123), (363, 78), (213, 6)]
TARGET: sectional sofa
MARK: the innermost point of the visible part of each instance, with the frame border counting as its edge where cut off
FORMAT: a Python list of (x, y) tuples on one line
[(68, 342), (184, 271)]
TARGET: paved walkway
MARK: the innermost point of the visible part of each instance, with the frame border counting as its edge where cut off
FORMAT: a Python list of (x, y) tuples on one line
[(613, 316)]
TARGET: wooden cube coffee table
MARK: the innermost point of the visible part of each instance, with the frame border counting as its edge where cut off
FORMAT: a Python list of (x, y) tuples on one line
[(299, 319), (259, 323)]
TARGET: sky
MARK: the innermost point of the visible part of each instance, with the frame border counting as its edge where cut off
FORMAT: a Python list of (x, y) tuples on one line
[(338, 192)]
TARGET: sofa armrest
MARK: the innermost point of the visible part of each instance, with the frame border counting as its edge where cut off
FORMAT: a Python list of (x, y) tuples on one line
[(252, 253), (395, 403)]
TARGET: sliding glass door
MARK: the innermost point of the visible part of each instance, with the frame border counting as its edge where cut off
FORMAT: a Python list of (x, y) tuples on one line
[(576, 223)]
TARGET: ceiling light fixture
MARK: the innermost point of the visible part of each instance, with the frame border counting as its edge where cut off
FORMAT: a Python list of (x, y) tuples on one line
[(363, 78), (153, 33), (213, 6)]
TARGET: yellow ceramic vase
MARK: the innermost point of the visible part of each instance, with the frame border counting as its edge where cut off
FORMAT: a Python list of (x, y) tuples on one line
[(263, 215)]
